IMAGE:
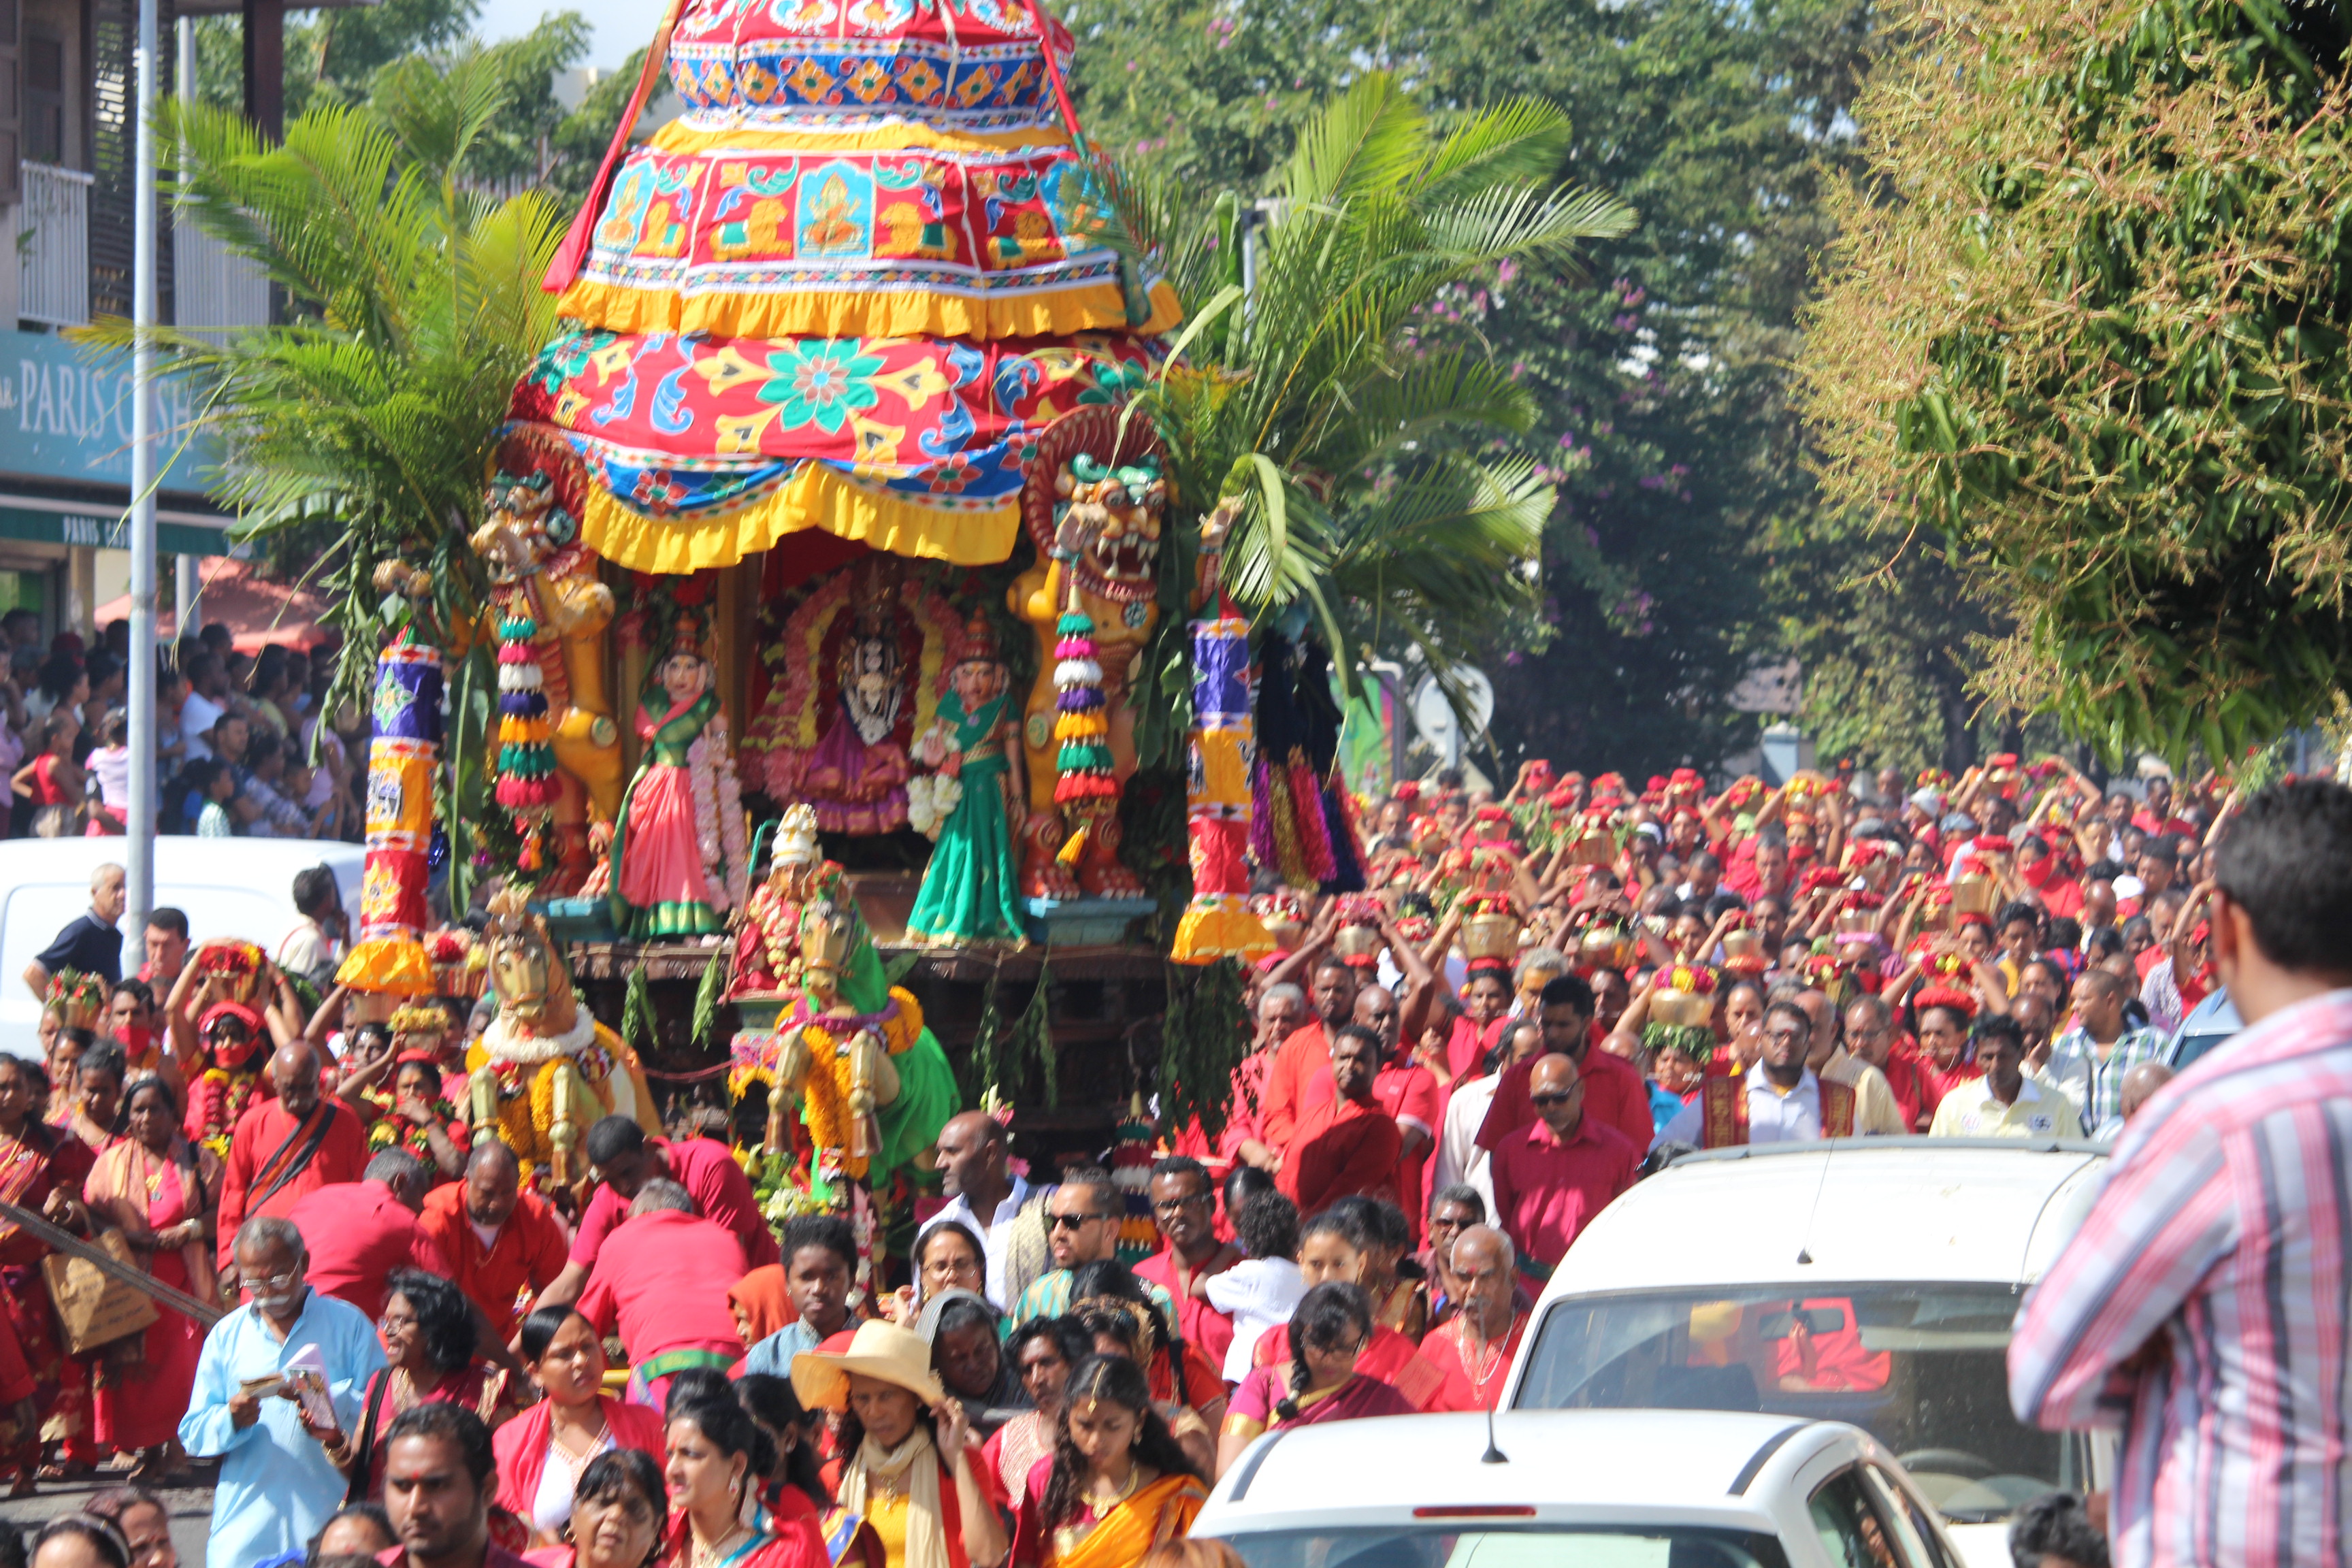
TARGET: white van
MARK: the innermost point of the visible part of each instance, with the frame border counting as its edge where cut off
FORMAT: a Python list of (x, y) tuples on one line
[(227, 887), (1867, 1280)]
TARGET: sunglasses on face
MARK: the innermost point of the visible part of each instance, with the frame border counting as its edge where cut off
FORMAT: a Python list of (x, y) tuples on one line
[(1562, 1098), (1071, 1221), (1173, 1206)]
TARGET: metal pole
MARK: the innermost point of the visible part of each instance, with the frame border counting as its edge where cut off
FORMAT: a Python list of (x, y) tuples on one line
[(184, 83), (183, 595), (142, 816)]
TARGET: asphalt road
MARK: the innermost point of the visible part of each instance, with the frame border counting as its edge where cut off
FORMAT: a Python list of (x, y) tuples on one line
[(192, 1510)]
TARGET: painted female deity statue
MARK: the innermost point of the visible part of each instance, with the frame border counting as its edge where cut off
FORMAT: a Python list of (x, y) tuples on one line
[(679, 844), (970, 890)]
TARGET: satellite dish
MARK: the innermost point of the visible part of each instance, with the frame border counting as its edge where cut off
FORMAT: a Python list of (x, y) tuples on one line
[(1433, 717)]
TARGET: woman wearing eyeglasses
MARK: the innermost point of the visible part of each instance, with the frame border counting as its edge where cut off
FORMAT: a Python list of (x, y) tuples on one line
[(1321, 1382), (428, 1337)]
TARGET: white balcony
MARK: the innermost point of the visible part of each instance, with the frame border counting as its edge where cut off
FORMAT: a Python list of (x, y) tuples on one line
[(52, 234), (214, 289)]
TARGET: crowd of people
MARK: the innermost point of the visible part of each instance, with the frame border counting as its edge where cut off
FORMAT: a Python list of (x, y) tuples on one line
[(243, 745), (438, 1352)]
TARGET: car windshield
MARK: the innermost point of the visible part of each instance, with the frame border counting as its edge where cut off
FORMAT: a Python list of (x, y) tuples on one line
[(1417, 1546), (1922, 1368)]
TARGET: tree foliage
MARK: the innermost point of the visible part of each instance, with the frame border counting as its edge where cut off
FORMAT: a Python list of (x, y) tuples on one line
[(366, 422), (1656, 363), (1350, 429), (2086, 322)]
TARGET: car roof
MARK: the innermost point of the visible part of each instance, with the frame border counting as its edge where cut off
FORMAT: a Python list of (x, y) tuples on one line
[(1712, 1465), (1989, 1209)]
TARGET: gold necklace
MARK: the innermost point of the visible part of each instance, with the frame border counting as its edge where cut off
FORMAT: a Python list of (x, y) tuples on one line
[(1099, 1507), (716, 1550)]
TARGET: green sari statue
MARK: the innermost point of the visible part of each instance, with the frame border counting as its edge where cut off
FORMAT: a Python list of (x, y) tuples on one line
[(971, 888)]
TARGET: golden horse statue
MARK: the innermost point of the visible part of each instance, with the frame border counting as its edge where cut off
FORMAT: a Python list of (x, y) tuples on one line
[(545, 1070)]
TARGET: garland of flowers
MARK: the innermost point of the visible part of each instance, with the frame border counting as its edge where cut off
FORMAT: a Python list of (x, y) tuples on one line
[(527, 785), (718, 817), (223, 1098)]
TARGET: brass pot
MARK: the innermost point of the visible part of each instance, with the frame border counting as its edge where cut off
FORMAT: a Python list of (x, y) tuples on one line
[(1353, 941), (1682, 1009), (1490, 936)]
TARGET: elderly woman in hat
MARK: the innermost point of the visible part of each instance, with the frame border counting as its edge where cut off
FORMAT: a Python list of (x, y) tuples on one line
[(912, 1471)]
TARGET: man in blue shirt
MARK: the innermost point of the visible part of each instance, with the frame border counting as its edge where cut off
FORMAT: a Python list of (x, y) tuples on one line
[(277, 1486), (90, 942)]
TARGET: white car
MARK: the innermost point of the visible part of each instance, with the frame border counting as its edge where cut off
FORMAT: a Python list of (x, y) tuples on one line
[(227, 887), (1868, 1281), (1587, 1489)]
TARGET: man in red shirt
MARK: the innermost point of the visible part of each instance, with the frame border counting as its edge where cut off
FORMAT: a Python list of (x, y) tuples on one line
[(524, 1252), (1474, 1346), (1290, 1078), (662, 1278), (1615, 1092), (286, 1148), (1348, 1144), (439, 1478), (1184, 1206), (624, 1160), (1408, 1092), (1551, 1178), (358, 1232)]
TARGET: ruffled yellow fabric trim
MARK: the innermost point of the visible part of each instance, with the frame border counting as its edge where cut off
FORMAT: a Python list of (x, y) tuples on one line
[(853, 312), (388, 966), (679, 136), (818, 497), (1219, 928)]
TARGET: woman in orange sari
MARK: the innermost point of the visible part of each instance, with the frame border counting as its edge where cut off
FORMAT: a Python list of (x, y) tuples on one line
[(1117, 1483), (161, 1191)]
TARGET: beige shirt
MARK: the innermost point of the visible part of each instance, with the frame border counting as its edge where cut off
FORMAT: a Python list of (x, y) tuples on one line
[(1875, 1110), (2038, 1111)]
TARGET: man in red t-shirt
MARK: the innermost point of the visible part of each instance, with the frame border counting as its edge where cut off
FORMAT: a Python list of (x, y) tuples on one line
[(357, 1233), (525, 1252), (1554, 1174), (1408, 1092), (661, 1277), (1348, 1144), (1184, 1206), (1291, 1075), (625, 1160), (1615, 1092)]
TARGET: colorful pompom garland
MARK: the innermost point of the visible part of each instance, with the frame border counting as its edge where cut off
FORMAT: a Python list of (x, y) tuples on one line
[(1085, 785), (527, 785)]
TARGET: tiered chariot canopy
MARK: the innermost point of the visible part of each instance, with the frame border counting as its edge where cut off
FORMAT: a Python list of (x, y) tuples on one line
[(845, 290)]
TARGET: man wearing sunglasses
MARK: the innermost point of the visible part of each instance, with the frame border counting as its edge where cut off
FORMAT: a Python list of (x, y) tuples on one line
[(1082, 1221), (1551, 1178)]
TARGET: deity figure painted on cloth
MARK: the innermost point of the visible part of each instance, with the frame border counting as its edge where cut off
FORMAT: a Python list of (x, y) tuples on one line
[(970, 890), (857, 777), (680, 847)]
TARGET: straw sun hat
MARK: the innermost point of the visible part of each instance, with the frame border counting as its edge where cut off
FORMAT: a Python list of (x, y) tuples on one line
[(883, 1350)]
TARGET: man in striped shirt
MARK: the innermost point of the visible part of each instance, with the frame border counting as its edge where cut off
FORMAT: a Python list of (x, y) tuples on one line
[(2087, 1063), (2201, 1306)]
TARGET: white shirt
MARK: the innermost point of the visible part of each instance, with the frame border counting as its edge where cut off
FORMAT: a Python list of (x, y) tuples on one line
[(1255, 1293), (197, 717), (995, 1237), (1459, 1158), (1773, 1117), (1969, 1110)]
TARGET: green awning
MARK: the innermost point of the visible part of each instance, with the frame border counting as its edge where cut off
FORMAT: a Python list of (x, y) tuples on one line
[(108, 531)]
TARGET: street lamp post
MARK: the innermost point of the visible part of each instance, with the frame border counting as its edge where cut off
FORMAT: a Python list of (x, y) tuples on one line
[(140, 823)]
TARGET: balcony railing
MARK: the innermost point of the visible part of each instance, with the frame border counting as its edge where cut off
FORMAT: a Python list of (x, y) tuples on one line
[(52, 234), (213, 289)]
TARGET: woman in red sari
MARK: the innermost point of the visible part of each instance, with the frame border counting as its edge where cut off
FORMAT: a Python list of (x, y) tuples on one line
[(429, 1340), (1332, 1247), (1324, 1380), (161, 1191), (718, 1458), (42, 1169)]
